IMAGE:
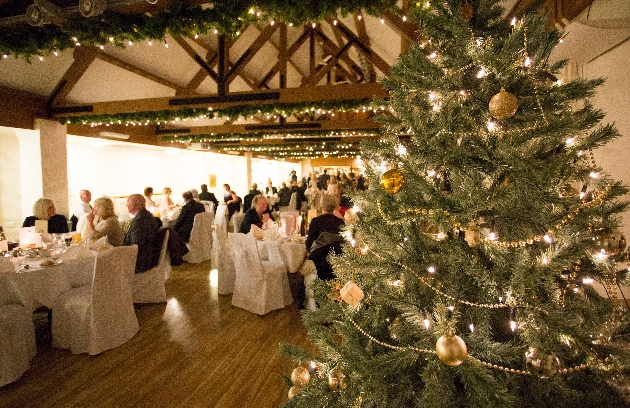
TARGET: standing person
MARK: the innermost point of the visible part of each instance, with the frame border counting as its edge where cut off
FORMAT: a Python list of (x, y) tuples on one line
[(184, 224), (148, 193), (247, 201), (143, 232), (44, 209), (323, 180), (167, 204), (257, 215), (83, 206), (324, 236), (232, 200), (205, 195), (333, 187), (284, 195), (108, 226)]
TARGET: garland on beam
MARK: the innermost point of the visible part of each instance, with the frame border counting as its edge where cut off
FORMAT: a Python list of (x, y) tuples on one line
[(227, 113), (180, 19), (256, 137)]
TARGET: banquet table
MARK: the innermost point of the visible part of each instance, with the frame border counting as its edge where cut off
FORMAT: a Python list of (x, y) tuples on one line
[(40, 286), (292, 253)]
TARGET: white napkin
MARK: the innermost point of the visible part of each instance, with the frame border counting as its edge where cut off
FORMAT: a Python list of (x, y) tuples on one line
[(6, 266), (271, 234), (256, 232), (76, 252)]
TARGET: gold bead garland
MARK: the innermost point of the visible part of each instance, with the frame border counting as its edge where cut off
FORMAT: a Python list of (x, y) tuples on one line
[(563, 371), (598, 199)]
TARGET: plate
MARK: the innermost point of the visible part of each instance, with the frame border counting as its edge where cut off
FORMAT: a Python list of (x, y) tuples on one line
[(44, 264)]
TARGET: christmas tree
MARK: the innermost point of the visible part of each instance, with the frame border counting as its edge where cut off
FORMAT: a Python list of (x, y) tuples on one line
[(486, 221)]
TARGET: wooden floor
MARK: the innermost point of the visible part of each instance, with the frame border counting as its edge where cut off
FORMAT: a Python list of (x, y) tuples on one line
[(197, 350)]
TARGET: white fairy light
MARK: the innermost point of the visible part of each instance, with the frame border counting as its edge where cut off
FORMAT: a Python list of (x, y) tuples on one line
[(547, 239), (514, 20), (545, 260), (404, 18), (513, 325), (472, 328), (492, 236), (102, 47), (570, 141), (401, 150), (433, 55), (482, 72), (431, 269), (602, 254), (587, 281), (491, 126), (593, 174), (431, 96), (130, 43), (527, 62), (427, 323)]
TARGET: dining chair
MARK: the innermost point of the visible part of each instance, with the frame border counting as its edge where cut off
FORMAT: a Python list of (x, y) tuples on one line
[(260, 286), (209, 206), (148, 287), (237, 220), (222, 256), (200, 243), (17, 336), (98, 317)]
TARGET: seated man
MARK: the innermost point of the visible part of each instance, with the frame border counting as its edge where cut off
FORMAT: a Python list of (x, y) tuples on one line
[(205, 195), (247, 200), (284, 195), (323, 236), (143, 232), (183, 225), (257, 215)]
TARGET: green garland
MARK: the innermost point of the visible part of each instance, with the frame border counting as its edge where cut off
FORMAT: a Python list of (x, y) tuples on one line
[(295, 139), (281, 109), (225, 17)]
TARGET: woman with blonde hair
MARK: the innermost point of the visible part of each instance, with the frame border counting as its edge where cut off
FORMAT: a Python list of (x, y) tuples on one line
[(107, 224), (167, 204), (44, 209), (333, 186)]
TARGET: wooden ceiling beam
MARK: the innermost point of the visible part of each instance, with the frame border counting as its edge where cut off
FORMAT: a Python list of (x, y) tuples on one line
[(289, 53), (329, 46), (247, 56), (83, 58), (319, 73), (373, 56), (198, 59), (359, 23), (136, 70), (287, 95), (278, 47)]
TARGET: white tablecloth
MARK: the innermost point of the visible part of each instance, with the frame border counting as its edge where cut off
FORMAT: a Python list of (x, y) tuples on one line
[(292, 253), (39, 286)]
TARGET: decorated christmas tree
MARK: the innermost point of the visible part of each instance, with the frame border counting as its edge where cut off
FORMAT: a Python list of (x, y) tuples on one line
[(480, 238)]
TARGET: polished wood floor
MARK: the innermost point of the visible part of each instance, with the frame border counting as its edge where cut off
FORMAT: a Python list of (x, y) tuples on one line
[(197, 350)]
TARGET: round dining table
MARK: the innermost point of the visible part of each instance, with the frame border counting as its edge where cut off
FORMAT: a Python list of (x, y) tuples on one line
[(292, 252)]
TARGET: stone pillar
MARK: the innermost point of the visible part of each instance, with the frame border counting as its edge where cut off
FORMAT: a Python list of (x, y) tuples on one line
[(54, 161)]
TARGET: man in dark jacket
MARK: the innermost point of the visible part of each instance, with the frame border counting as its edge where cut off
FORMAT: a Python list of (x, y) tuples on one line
[(143, 232), (247, 200), (205, 195), (183, 225)]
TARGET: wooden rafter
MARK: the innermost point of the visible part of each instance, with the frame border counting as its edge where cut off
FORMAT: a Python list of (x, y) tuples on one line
[(278, 47), (83, 58), (330, 47), (250, 52), (406, 29), (136, 70), (287, 95), (359, 23), (323, 70), (376, 59), (290, 51)]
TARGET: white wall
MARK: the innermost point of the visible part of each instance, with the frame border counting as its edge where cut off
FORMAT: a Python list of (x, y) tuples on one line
[(614, 99)]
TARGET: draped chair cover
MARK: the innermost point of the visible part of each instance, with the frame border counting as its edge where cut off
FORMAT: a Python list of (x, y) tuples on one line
[(100, 316), (17, 336), (260, 286), (200, 243), (222, 256), (237, 220), (148, 287), (209, 205), (292, 204)]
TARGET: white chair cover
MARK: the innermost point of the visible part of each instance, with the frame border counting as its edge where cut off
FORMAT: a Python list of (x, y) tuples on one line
[(293, 201), (200, 243), (237, 220), (148, 287), (221, 212), (99, 317), (17, 342), (209, 205), (260, 286), (17, 336), (82, 227), (222, 257)]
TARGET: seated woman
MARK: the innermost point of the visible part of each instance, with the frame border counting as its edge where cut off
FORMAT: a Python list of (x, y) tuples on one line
[(108, 226), (257, 215), (44, 209)]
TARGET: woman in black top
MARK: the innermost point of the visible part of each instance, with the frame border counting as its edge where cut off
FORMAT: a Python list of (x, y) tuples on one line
[(44, 209)]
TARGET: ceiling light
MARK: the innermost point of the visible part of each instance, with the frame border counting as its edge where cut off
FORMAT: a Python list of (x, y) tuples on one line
[(114, 135)]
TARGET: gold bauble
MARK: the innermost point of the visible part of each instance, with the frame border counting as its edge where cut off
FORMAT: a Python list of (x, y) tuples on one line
[(392, 181), (503, 105), (293, 391), (451, 350), (300, 377), (467, 11), (336, 379)]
